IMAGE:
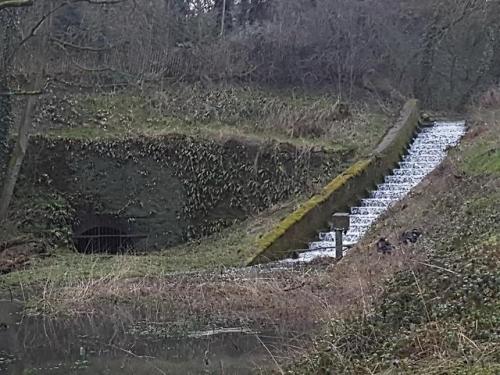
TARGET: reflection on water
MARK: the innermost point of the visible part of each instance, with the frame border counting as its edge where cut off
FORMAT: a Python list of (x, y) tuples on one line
[(108, 345)]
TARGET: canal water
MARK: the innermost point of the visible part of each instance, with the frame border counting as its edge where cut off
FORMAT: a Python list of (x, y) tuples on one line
[(120, 343)]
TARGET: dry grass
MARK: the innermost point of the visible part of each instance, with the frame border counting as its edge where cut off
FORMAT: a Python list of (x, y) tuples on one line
[(223, 112), (305, 298), (491, 98), (286, 300), (439, 316)]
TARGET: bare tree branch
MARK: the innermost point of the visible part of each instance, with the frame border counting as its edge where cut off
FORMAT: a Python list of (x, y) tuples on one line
[(21, 93), (15, 3), (40, 22), (62, 44)]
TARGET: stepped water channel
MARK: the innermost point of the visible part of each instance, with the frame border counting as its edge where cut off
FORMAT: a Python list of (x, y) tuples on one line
[(131, 341), (427, 151)]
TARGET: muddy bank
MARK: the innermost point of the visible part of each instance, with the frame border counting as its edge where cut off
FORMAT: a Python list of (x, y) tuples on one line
[(297, 300), (162, 322)]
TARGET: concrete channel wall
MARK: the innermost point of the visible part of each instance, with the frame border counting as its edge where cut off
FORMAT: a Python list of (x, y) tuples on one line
[(341, 193)]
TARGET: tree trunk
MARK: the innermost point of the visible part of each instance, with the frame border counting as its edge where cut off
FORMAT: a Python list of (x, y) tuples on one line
[(243, 12), (5, 121), (224, 15), (7, 26), (17, 156)]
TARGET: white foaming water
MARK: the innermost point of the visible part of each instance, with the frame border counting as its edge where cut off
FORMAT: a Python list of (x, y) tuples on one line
[(426, 152)]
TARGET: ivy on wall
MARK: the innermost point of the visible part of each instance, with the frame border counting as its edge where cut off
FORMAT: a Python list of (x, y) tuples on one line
[(222, 181)]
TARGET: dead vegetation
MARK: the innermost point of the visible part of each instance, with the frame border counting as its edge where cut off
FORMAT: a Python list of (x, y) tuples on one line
[(429, 307), (17, 253), (491, 98), (288, 299), (425, 306), (218, 112), (439, 315)]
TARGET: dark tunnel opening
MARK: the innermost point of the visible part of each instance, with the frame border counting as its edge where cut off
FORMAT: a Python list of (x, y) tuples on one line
[(103, 239)]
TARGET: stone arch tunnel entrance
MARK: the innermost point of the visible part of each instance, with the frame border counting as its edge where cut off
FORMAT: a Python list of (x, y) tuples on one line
[(97, 234)]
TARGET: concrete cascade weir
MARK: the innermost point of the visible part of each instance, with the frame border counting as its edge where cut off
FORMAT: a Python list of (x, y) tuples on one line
[(427, 150)]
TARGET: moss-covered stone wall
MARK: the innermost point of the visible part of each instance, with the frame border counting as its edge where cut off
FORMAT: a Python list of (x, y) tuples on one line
[(343, 191), (175, 187)]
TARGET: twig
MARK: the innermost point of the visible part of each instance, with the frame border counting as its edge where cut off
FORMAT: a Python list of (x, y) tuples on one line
[(35, 28), (130, 352), (437, 267), (64, 43), (271, 354), (139, 356), (40, 22), (470, 341), (290, 288)]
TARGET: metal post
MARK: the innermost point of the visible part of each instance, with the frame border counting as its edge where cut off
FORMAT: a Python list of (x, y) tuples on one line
[(340, 223), (339, 252)]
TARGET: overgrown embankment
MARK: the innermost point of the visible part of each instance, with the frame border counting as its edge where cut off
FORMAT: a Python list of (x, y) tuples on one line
[(438, 314), (441, 315), (174, 188), (183, 162), (209, 125), (299, 117), (340, 193)]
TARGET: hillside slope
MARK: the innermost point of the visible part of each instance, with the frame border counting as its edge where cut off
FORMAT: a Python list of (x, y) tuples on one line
[(441, 316)]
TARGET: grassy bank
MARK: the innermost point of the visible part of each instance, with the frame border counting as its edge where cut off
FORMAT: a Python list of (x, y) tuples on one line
[(250, 113), (440, 316), (298, 117), (64, 267)]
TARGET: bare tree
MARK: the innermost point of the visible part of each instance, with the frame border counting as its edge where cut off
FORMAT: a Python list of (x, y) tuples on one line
[(21, 144), (39, 53)]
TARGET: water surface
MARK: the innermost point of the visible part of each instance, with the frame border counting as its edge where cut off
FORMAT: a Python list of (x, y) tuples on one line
[(123, 343)]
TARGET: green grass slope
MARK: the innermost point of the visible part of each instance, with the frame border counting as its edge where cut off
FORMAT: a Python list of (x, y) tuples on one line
[(301, 118)]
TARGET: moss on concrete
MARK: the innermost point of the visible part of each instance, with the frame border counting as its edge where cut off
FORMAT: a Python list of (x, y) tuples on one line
[(295, 230), (306, 209)]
